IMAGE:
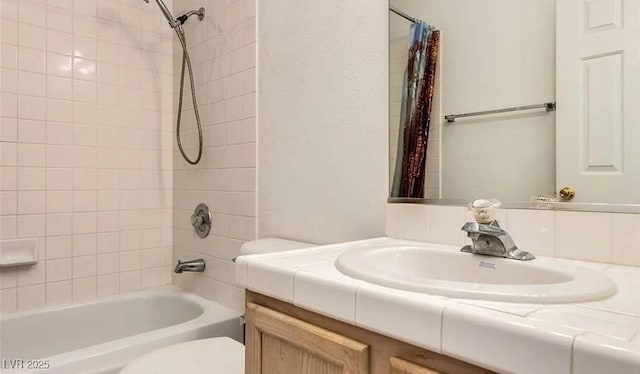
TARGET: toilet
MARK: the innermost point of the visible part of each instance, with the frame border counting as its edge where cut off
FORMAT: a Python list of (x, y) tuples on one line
[(219, 355), (215, 355)]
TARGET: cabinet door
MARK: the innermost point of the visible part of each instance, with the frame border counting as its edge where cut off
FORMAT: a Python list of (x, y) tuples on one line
[(280, 344), (400, 366)]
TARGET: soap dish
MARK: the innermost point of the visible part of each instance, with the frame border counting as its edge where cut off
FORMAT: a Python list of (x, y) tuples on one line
[(18, 252)]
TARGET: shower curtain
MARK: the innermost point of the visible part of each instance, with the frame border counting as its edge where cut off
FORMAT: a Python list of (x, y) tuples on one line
[(415, 116)]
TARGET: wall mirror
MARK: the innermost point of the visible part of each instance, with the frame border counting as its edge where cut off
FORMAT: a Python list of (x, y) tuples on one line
[(523, 101)]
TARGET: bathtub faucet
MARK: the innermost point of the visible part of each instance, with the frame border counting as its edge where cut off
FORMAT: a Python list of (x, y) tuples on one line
[(193, 265)]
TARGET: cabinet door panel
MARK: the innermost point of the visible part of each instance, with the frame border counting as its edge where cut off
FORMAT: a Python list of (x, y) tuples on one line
[(400, 366), (280, 344), (279, 356)]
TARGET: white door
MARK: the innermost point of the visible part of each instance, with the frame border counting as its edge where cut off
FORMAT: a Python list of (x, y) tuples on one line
[(598, 95)]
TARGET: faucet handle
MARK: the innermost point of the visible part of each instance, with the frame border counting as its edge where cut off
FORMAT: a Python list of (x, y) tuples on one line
[(196, 220), (484, 211)]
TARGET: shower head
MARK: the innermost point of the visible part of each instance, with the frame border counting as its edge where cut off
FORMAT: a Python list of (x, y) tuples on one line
[(176, 22), (176, 25), (167, 14)]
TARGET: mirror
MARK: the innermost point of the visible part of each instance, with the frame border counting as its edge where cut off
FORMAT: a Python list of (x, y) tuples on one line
[(519, 61)]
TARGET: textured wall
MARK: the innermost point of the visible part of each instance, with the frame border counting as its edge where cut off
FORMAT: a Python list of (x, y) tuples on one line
[(86, 147), (322, 173), (222, 48)]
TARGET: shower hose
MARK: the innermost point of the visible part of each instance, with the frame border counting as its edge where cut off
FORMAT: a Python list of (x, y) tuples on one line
[(186, 61)]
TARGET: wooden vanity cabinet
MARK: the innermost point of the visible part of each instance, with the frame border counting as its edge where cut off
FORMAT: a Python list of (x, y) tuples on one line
[(284, 339), (283, 344)]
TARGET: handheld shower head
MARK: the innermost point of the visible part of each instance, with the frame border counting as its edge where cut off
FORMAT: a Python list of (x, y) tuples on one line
[(176, 25), (176, 22), (167, 14)]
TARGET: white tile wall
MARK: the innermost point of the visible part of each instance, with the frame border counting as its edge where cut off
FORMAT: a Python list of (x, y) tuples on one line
[(408, 222), (445, 224), (600, 237), (625, 248), (583, 235), (533, 228), (86, 147), (223, 52)]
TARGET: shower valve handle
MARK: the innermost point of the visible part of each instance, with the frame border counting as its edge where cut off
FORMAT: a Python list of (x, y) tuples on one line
[(196, 220), (201, 220)]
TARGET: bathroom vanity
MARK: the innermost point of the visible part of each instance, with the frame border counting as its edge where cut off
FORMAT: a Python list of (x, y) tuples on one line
[(305, 316), (282, 338)]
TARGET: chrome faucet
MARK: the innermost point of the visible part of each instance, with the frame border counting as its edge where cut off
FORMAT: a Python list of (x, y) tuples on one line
[(492, 240), (193, 265)]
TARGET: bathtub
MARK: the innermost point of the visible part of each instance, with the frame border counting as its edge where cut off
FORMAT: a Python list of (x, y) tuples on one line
[(102, 335)]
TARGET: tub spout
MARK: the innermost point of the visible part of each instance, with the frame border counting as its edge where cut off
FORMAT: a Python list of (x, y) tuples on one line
[(193, 265)]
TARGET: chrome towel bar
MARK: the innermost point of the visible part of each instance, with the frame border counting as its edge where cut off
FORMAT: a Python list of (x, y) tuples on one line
[(549, 107)]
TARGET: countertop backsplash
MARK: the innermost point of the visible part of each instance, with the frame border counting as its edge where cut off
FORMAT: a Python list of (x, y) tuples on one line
[(587, 236)]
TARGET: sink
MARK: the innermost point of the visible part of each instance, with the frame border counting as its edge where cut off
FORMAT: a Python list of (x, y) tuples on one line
[(444, 270)]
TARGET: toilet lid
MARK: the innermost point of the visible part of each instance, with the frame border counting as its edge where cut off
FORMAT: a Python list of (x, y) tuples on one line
[(215, 355)]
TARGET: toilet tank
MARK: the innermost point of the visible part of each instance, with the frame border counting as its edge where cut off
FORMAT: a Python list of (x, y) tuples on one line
[(271, 245)]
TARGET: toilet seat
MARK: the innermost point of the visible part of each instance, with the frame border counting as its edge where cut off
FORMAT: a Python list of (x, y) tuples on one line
[(212, 356)]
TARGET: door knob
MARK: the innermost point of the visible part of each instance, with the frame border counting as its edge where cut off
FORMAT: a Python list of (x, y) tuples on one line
[(567, 193)]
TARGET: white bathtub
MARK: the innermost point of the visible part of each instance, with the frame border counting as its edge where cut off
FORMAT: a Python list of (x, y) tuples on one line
[(102, 335)]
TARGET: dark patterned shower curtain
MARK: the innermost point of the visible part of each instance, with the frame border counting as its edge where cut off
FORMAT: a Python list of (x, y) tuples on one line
[(415, 117)]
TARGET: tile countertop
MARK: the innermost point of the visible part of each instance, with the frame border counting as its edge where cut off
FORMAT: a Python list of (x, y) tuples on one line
[(582, 338)]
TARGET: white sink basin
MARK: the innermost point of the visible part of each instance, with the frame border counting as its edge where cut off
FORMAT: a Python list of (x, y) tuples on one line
[(443, 270)]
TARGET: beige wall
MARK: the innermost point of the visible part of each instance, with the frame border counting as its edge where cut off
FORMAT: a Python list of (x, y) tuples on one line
[(323, 118)]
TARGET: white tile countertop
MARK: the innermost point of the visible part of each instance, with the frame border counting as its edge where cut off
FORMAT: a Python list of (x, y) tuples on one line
[(583, 338)]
